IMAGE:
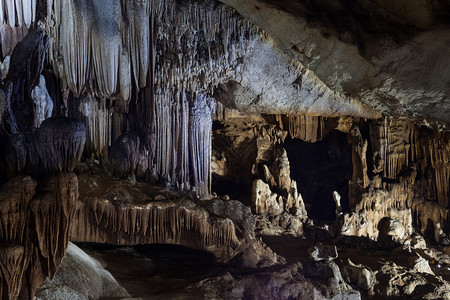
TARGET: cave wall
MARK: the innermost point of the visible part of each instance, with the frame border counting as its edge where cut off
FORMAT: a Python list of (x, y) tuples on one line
[(397, 172), (406, 181)]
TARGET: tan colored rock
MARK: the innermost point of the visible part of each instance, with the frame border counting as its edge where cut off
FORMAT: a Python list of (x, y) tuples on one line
[(360, 275), (124, 213), (12, 262), (265, 201), (35, 226)]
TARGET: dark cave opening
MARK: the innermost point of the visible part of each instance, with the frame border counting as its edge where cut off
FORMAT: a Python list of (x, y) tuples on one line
[(241, 190), (234, 151), (319, 169), (155, 269)]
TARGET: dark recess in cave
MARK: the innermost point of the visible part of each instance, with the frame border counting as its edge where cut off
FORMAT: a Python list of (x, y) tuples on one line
[(319, 169), (167, 261), (235, 190)]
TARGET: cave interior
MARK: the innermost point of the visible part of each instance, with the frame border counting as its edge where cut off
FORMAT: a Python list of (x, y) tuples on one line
[(220, 149)]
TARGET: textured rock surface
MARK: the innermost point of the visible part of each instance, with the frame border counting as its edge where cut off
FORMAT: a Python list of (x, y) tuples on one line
[(123, 213), (43, 102), (352, 49), (147, 79), (56, 146), (25, 67), (418, 161), (80, 277), (34, 230)]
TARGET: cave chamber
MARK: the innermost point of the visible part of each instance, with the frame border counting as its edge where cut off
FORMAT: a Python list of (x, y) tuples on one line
[(206, 149)]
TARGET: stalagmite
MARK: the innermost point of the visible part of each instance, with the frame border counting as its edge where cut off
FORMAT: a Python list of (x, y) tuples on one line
[(337, 201), (360, 179), (417, 197)]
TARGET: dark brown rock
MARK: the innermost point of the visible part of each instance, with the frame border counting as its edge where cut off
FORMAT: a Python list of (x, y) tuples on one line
[(60, 143), (34, 231)]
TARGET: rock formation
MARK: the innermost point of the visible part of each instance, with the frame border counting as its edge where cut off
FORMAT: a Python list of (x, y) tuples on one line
[(325, 122), (36, 218), (80, 277), (124, 213)]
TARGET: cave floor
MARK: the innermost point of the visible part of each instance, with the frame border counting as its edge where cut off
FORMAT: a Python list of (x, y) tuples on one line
[(156, 271), (173, 272)]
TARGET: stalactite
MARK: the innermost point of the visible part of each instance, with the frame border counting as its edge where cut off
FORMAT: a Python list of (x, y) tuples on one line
[(432, 153), (15, 198), (59, 143), (98, 117), (390, 145), (200, 142), (10, 36), (99, 33), (170, 50), (410, 181), (308, 128), (398, 145), (34, 225), (52, 213), (16, 17), (20, 12), (138, 218), (171, 125), (11, 269)]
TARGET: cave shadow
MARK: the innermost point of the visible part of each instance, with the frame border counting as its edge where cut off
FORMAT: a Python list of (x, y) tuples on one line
[(156, 270), (319, 169)]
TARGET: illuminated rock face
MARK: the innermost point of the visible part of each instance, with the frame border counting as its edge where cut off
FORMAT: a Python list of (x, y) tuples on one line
[(373, 51), (119, 212), (409, 167)]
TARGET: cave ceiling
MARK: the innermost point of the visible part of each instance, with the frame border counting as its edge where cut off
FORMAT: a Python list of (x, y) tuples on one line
[(363, 58), (391, 55)]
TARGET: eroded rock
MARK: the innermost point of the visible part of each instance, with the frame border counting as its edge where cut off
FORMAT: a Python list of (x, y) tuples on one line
[(35, 226), (80, 277), (56, 146), (126, 213)]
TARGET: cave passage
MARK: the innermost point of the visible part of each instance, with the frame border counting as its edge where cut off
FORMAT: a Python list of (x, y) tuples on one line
[(152, 270), (319, 169)]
